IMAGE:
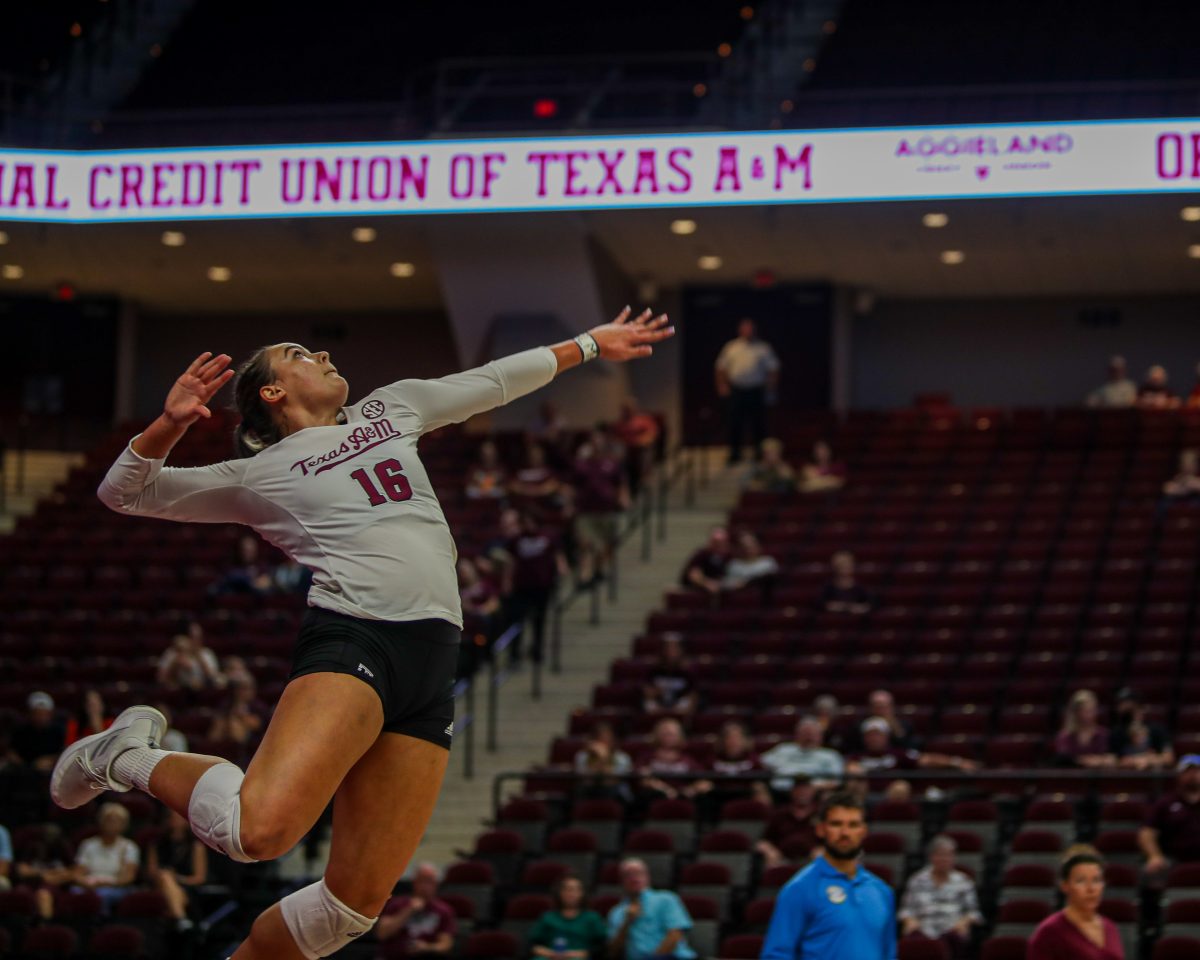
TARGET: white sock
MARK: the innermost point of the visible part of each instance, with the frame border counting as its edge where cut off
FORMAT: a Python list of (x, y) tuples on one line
[(135, 766)]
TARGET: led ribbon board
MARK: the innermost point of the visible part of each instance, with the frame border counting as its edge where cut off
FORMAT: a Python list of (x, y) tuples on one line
[(595, 173)]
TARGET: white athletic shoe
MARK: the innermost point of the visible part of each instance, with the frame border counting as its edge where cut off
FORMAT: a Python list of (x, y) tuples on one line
[(83, 770)]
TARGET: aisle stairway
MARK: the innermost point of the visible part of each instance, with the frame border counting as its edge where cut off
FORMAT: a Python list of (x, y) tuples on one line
[(527, 726)]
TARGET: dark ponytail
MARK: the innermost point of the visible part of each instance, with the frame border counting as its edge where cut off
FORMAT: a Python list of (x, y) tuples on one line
[(257, 431)]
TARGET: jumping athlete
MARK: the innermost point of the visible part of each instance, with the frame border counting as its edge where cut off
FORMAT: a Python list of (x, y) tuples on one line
[(367, 715)]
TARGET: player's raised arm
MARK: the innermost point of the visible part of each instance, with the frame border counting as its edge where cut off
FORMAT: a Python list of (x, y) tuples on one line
[(459, 396), (187, 401)]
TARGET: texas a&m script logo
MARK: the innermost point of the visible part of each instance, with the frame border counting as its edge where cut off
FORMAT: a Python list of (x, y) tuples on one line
[(372, 409), (360, 440)]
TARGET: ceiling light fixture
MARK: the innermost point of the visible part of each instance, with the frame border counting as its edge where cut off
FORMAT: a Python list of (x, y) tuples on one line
[(953, 257), (3, 238), (219, 274), (1194, 251), (363, 234), (173, 238), (1190, 214), (10, 271), (935, 220), (683, 228), (709, 262), (402, 270)]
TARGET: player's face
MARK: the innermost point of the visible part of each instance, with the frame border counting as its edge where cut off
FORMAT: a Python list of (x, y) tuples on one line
[(1084, 888), (309, 377), (843, 831)]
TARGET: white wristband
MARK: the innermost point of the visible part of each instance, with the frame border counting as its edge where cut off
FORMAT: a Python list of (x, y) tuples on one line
[(587, 346)]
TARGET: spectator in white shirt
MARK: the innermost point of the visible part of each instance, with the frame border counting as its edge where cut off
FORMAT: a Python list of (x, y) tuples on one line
[(108, 862), (750, 566), (188, 664), (1118, 391), (805, 755), (747, 374), (940, 903)]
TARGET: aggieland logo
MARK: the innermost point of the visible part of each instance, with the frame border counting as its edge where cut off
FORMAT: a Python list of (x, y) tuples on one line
[(360, 440)]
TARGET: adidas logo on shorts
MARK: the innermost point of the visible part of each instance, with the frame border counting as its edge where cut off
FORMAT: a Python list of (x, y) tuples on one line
[(362, 668), (449, 731)]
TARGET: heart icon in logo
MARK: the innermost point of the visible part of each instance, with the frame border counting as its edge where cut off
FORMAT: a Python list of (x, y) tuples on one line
[(982, 172)]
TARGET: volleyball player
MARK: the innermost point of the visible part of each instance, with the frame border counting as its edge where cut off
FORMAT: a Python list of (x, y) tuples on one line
[(367, 715)]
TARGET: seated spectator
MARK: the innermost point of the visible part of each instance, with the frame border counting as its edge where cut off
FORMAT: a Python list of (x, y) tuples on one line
[(487, 479), (249, 573), (291, 577), (771, 473), (480, 596), (108, 863), (881, 704), (46, 865), (1118, 391), (1079, 931), (639, 432), (6, 859), (1083, 741), (39, 739), (569, 931), (1136, 744), (173, 740), (879, 753), (536, 565), (176, 864), (827, 711), (1185, 485), (604, 763), (940, 903), (705, 569), (601, 493), (1171, 833), (235, 670), (647, 923), (750, 567), (421, 924), (92, 717), (843, 593), (1154, 393), (734, 756), (668, 756), (792, 826), (822, 474), (536, 484), (242, 718), (670, 688), (805, 757), (187, 664)]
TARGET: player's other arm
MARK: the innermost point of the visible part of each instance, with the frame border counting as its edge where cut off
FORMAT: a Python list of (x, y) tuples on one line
[(457, 397)]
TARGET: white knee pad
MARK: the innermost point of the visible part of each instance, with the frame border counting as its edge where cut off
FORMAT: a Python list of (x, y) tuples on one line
[(319, 922), (215, 811)]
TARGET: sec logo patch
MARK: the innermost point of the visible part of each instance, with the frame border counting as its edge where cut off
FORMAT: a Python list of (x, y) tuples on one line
[(372, 409), (835, 894)]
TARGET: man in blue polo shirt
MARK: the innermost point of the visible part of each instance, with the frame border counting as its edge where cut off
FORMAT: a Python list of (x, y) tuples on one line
[(835, 909), (647, 923)]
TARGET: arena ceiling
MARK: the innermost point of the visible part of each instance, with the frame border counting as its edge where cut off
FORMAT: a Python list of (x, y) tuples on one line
[(1064, 246)]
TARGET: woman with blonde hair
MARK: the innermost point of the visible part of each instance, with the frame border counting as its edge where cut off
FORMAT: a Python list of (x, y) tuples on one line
[(1078, 931), (1083, 740)]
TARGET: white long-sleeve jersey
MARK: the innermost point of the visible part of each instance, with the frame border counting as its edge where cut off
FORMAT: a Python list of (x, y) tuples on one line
[(351, 502)]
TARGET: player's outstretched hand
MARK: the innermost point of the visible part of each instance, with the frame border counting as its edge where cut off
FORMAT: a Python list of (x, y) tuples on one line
[(187, 400), (626, 339)]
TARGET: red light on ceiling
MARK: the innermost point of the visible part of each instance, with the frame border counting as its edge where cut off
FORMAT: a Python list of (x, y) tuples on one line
[(64, 292), (545, 108), (763, 279)]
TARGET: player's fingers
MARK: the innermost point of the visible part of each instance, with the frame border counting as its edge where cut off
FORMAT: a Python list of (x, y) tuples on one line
[(215, 385), (214, 366), (623, 316), (659, 321), (199, 362), (204, 411), (643, 316), (643, 351)]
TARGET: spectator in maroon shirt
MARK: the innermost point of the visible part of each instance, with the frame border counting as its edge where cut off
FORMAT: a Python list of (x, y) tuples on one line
[(1172, 831), (668, 755), (537, 563), (735, 755), (420, 924), (1154, 394), (705, 568), (487, 479), (822, 473), (600, 495), (535, 486), (671, 687), (1083, 740), (1079, 931), (791, 826), (880, 754)]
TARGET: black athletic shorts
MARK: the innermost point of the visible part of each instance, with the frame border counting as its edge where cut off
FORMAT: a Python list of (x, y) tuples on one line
[(411, 665)]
